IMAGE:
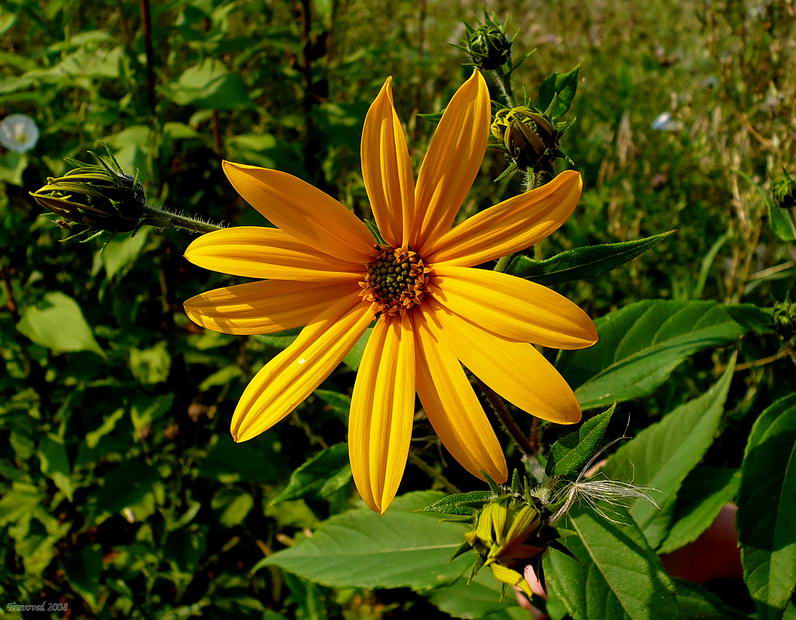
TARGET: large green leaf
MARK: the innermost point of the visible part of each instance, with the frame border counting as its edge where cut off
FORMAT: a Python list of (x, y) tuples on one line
[(766, 508), (701, 496), (557, 91), (482, 597), (781, 222), (322, 475), (581, 263), (362, 549), (614, 574), (662, 455), (58, 324), (209, 85), (641, 344), (55, 463), (576, 448)]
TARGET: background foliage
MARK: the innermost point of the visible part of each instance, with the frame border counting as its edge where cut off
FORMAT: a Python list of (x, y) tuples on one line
[(123, 494)]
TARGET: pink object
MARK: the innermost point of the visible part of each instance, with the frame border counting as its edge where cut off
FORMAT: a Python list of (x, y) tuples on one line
[(714, 555)]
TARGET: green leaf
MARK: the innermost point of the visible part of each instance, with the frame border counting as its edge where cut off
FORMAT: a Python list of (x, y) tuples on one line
[(557, 91), (338, 404), (209, 85), (362, 549), (354, 356), (701, 496), (482, 597), (321, 475), (766, 506), (122, 250), (574, 449), (55, 463), (695, 602), (152, 365), (83, 571), (661, 456), (108, 424), (460, 503), (614, 573), (781, 222), (641, 344), (581, 263), (18, 502), (58, 324), (125, 486), (232, 505)]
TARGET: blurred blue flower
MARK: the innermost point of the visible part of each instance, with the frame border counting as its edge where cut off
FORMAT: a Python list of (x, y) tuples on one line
[(665, 122), (18, 132)]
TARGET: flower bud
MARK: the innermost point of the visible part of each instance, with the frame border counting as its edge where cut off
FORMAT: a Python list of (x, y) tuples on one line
[(501, 536), (785, 319), (99, 196), (488, 46), (528, 137), (783, 191)]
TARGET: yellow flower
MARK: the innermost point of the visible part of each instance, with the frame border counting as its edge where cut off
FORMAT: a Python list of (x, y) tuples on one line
[(433, 310)]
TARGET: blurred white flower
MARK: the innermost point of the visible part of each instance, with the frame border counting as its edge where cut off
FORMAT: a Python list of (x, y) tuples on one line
[(665, 122), (18, 132)]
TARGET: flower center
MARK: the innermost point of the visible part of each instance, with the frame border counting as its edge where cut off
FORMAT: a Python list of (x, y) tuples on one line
[(396, 280)]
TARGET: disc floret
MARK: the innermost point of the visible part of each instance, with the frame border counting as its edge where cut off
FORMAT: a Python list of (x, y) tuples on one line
[(396, 280)]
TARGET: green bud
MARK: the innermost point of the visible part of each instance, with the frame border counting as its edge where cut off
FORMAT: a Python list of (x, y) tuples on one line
[(98, 196), (785, 319), (488, 46), (528, 137), (783, 190)]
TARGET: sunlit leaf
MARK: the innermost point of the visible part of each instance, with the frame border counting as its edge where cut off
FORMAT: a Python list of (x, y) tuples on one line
[(58, 324), (614, 574), (766, 508), (641, 344), (662, 455), (581, 263), (360, 548)]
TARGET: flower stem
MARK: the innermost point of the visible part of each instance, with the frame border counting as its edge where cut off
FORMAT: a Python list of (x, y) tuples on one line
[(161, 218), (508, 422), (503, 80)]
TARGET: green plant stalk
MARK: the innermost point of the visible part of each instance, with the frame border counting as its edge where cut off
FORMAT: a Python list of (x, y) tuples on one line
[(503, 80), (165, 219)]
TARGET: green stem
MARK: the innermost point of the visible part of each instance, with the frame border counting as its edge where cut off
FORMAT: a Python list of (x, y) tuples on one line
[(507, 421), (530, 180), (161, 218), (503, 80)]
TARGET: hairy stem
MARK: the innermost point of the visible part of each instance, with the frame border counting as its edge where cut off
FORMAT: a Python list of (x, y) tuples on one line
[(159, 217), (511, 426)]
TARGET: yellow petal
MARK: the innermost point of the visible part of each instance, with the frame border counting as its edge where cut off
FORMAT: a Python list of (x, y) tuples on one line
[(515, 370), (263, 307), (304, 212), (295, 372), (386, 168), (382, 409), (453, 408), (510, 226), (514, 308), (452, 161), (260, 252), (511, 577)]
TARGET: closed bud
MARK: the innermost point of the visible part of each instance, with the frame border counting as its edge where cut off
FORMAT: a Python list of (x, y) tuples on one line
[(528, 137), (501, 538), (783, 191), (488, 46), (785, 319), (98, 196)]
